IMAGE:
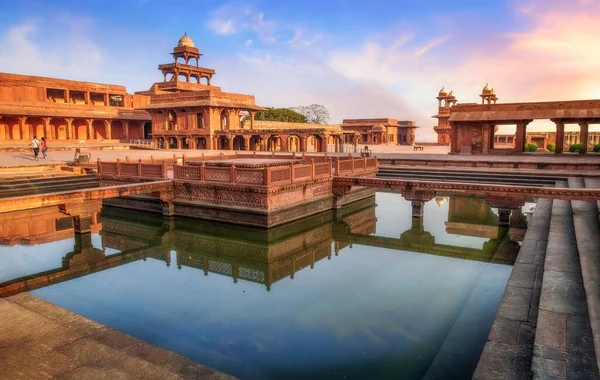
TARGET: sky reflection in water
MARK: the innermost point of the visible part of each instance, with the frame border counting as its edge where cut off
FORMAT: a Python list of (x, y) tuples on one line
[(368, 312)]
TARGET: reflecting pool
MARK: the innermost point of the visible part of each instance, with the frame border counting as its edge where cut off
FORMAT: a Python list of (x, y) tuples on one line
[(364, 292)]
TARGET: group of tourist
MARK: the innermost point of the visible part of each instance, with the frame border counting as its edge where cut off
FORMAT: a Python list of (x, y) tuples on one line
[(36, 147)]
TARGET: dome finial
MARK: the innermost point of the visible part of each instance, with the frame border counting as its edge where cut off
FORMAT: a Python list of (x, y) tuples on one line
[(185, 40)]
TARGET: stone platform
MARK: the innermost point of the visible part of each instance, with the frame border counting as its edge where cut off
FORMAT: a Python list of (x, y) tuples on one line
[(39, 340), (246, 189)]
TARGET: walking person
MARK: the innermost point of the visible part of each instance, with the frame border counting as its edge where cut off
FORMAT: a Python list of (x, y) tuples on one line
[(44, 147), (36, 147)]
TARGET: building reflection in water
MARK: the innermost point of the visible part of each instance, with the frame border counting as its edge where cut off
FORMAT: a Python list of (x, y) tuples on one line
[(262, 256)]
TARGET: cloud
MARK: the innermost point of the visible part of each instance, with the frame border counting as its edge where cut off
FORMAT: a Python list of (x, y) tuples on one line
[(549, 58), (222, 27), (233, 19), (62, 59)]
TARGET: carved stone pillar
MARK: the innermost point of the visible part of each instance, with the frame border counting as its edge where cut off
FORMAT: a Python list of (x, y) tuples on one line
[(583, 135), (521, 136), (48, 128), (125, 128), (303, 144), (82, 224), (107, 130), (560, 136), (23, 127), (417, 200), (230, 142), (90, 128), (283, 143), (247, 143), (69, 128)]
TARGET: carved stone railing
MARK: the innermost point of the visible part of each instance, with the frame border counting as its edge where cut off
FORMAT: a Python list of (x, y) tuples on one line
[(278, 174), (348, 166), (133, 169), (293, 169)]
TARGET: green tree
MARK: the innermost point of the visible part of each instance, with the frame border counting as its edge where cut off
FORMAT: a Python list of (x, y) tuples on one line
[(280, 114)]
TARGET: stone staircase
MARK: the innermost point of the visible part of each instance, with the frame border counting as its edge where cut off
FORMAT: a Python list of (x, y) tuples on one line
[(466, 175), (548, 322), (41, 183)]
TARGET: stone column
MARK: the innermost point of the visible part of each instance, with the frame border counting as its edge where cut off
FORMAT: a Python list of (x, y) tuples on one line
[(252, 120), (230, 142), (504, 216), (453, 139), (90, 128), (107, 129), (247, 143), (22, 126), (69, 128), (417, 208), (125, 127), (284, 143), (47, 127), (560, 136), (520, 137), (583, 135), (179, 142), (82, 224)]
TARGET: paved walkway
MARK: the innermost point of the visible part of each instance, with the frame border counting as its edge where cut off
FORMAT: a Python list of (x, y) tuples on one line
[(391, 152), (39, 340)]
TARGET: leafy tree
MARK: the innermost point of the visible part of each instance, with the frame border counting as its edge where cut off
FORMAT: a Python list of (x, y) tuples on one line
[(314, 113), (280, 114)]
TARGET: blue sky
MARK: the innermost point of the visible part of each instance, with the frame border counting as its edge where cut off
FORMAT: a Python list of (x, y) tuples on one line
[(358, 58)]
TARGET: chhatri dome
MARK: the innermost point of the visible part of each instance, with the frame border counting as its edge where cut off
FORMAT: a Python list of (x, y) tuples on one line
[(487, 89), (185, 41), (443, 92), (451, 94)]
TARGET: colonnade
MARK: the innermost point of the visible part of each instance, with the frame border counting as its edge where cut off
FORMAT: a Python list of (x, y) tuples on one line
[(273, 142), (65, 128)]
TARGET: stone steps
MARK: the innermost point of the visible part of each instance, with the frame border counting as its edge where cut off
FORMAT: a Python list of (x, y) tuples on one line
[(12, 183), (466, 176), (40, 185), (563, 346), (587, 230), (548, 322)]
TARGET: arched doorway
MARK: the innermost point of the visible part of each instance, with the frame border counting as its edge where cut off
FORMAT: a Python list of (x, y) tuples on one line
[(60, 128), (98, 130), (201, 143), (274, 144), (147, 130), (315, 143), (294, 144), (256, 143), (239, 143), (222, 143)]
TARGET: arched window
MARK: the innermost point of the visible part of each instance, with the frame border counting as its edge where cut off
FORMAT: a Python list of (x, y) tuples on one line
[(224, 120), (172, 122)]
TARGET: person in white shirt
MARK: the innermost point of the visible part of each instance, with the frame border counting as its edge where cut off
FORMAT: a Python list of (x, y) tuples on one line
[(36, 147)]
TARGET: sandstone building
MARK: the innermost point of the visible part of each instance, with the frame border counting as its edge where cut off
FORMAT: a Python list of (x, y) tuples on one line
[(183, 111), (382, 131), (68, 110), (471, 128)]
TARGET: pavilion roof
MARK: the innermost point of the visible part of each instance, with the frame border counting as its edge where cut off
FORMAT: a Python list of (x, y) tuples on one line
[(201, 103)]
